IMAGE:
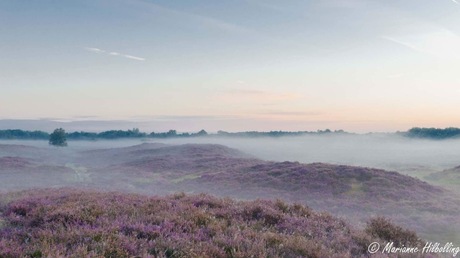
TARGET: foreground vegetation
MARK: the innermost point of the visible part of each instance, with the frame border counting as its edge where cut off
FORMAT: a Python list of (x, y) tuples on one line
[(74, 223)]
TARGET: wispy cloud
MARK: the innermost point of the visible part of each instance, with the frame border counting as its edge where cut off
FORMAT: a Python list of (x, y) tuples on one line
[(202, 20), (396, 75), (436, 42), (134, 57), (95, 50), (187, 118), (291, 113), (455, 1), (271, 6), (247, 92), (258, 96), (110, 53), (342, 3)]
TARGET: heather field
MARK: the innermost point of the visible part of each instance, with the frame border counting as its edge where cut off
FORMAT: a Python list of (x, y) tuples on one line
[(89, 187), (75, 223)]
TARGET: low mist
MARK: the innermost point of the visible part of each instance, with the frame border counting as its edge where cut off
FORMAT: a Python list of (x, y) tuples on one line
[(386, 151), (165, 166), (416, 157)]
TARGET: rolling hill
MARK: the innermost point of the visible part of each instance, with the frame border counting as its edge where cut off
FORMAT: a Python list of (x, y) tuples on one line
[(354, 193), (449, 178)]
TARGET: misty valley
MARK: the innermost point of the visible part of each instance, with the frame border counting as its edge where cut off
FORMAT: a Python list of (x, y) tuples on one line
[(378, 187), (229, 129)]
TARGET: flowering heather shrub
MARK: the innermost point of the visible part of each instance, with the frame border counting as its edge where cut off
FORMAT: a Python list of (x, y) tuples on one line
[(383, 228), (75, 223), (13, 163)]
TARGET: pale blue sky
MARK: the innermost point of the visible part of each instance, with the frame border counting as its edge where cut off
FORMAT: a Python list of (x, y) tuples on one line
[(239, 65)]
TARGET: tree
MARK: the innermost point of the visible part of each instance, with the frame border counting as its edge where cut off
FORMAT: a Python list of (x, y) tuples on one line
[(171, 133), (58, 138), (202, 133)]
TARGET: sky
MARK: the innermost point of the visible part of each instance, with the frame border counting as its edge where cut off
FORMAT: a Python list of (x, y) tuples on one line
[(357, 65)]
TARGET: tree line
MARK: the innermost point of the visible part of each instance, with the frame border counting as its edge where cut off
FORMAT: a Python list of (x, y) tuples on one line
[(17, 134), (433, 133)]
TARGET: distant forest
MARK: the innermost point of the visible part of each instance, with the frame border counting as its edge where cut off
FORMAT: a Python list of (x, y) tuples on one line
[(18, 134), (433, 133)]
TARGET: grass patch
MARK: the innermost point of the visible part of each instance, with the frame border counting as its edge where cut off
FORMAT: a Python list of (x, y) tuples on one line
[(356, 188), (185, 178), (81, 173)]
